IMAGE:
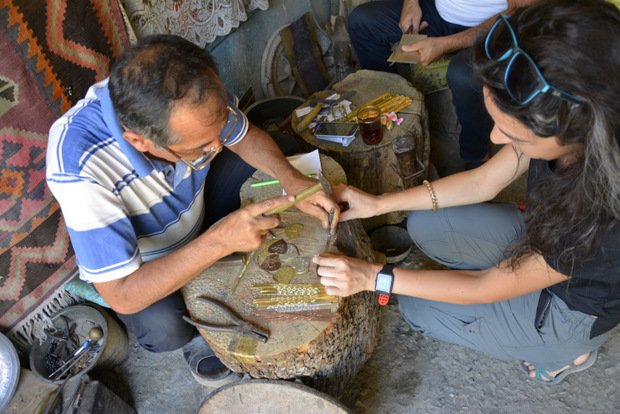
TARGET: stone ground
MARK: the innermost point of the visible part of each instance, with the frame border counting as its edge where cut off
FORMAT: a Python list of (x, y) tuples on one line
[(407, 372)]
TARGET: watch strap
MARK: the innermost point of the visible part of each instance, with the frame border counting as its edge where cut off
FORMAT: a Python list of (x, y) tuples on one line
[(384, 297)]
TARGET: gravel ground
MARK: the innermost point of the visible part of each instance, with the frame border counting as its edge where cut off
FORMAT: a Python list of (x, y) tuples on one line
[(406, 373)]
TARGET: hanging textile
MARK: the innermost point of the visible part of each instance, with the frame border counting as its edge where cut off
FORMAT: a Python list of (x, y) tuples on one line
[(199, 21)]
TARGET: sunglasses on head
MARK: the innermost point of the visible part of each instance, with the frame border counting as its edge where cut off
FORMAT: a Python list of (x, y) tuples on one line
[(522, 78)]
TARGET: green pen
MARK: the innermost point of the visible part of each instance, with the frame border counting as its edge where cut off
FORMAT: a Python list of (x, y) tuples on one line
[(263, 183)]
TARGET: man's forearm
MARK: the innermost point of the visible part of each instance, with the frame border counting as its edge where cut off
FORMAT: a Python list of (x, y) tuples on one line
[(159, 278), (260, 151)]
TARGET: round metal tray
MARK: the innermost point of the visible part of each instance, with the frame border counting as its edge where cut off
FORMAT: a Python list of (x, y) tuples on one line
[(9, 371)]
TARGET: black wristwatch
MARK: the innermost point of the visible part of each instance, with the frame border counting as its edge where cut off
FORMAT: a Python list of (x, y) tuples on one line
[(384, 283)]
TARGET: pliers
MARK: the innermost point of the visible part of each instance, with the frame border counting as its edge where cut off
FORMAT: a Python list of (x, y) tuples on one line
[(245, 328)]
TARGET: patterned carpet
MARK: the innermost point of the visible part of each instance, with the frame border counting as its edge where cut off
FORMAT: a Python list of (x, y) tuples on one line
[(52, 51)]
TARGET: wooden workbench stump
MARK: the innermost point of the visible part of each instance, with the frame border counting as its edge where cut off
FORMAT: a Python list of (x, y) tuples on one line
[(324, 354), (374, 168)]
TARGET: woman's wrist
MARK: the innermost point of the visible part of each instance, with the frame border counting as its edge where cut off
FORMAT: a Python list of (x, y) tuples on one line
[(375, 268)]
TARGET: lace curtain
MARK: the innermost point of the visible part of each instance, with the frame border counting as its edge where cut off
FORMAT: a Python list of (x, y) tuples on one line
[(199, 21)]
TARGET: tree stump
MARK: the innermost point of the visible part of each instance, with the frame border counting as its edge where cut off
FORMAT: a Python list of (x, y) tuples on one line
[(325, 354), (269, 397), (376, 169)]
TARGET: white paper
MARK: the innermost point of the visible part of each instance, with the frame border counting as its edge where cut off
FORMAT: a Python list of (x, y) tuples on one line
[(309, 163)]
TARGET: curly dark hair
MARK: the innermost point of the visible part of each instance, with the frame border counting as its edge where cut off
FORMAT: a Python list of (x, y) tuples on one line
[(576, 45), (154, 76)]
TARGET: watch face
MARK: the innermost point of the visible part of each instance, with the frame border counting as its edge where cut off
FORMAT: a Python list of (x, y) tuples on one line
[(384, 283)]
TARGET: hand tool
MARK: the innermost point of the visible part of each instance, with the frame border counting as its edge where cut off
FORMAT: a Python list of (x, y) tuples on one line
[(302, 195), (264, 183), (94, 335), (234, 259), (329, 230), (308, 118), (239, 325), (318, 104), (245, 266), (333, 102)]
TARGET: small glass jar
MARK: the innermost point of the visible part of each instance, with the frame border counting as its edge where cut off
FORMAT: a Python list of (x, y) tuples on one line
[(369, 118)]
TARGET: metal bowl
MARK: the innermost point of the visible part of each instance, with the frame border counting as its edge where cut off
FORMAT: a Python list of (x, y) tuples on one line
[(393, 241), (84, 317), (9, 371)]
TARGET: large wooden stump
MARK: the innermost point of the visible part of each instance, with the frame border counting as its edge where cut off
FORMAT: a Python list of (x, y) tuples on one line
[(325, 354), (269, 397), (376, 168)]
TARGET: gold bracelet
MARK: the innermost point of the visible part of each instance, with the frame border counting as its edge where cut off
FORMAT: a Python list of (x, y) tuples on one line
[(433, 196)]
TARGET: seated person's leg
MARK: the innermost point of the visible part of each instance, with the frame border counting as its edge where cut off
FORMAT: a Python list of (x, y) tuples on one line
[(476, 124), (466, 237), (160, 327), (473, 237), (373, 27)]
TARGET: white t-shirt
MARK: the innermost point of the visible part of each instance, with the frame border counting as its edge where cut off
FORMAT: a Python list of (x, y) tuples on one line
[(469, 13)]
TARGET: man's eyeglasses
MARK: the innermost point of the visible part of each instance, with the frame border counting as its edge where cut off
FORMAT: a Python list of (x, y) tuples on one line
[(522, 78), (208, 156)]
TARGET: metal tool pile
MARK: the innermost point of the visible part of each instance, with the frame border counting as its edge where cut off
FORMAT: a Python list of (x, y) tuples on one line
[(66, 356)]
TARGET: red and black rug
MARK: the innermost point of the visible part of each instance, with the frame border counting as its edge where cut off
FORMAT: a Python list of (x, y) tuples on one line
[(50, 53)]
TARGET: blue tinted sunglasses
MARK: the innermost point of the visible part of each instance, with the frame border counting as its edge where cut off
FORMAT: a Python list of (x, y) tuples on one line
[(522, 78)]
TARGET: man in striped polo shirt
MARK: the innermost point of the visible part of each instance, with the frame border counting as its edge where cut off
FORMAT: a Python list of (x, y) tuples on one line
[(131, 167)]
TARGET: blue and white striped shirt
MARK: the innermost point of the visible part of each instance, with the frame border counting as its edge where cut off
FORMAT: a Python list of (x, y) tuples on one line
[(121, 208)]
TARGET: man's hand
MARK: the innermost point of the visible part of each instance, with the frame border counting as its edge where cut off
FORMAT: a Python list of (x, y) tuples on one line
[(430, 49), (318, 205), (411, 18), (245, 230), (344, 276)]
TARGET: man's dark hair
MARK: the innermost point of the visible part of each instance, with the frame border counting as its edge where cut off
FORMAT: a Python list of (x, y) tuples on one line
[(154, 76)]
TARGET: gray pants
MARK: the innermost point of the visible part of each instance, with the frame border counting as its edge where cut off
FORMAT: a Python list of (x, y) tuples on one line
[(475, 237)]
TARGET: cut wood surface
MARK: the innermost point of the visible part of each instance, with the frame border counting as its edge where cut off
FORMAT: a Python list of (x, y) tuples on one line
[(270, 397), (325, 351)]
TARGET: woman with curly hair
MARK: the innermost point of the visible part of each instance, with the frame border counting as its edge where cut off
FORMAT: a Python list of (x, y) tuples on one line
[(541, 286)]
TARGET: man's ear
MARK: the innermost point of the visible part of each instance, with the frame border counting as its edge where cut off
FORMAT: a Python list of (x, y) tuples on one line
[(138, 141)]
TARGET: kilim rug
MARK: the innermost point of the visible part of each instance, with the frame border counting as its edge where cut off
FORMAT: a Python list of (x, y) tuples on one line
[(51, 51)]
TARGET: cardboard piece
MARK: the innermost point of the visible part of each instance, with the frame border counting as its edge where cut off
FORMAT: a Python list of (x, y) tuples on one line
[(399, 56)]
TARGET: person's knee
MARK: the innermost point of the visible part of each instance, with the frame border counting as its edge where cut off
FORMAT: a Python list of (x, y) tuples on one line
[(413, 312), (168, 334), (421, 224), (160, 327), (460, 73), (359, 17)]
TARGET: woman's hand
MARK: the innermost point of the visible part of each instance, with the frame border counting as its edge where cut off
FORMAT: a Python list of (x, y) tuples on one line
[(360, 204), (344, 276)]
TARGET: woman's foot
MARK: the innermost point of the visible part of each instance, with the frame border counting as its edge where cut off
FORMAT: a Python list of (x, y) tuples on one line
[(585, 361)]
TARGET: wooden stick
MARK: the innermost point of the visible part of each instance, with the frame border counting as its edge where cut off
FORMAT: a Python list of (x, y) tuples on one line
[(308, 118), (302, 195)]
